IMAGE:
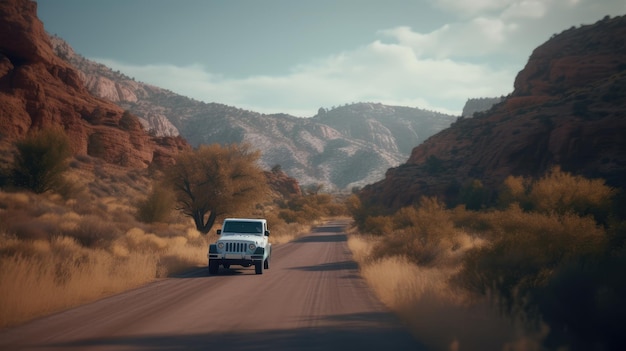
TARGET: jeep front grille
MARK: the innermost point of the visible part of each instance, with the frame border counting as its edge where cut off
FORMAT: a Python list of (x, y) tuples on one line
[(236, 247)]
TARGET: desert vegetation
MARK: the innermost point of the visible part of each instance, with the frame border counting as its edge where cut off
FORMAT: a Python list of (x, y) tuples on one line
[(57, 252), (83, 229), (538, 269)]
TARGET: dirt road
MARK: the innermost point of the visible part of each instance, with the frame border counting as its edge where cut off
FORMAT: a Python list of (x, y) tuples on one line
[(311, 298)]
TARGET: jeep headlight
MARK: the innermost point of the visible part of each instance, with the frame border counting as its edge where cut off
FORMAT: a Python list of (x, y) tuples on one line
[(220, 246), (251, 247)]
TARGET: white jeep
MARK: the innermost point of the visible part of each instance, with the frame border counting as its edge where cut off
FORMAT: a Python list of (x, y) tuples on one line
[(243, 242)]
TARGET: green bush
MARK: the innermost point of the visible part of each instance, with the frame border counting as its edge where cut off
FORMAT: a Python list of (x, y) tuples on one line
[(41, 160)]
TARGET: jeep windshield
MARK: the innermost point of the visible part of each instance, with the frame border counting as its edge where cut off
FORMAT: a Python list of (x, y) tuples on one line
[(241, 227)]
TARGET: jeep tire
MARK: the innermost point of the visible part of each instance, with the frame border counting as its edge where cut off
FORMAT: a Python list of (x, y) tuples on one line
[(258, 267), (214, 267)]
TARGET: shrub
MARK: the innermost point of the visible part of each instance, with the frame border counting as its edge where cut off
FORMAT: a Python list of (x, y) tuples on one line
[(525, 250), (93, 231), (474, 195), (583, 304), (96, 146), (157, 207), (423, 235), (129, 121), (378, 225), (41, 160), (360, 211), (562, 192), (514, 190), (434, 165)]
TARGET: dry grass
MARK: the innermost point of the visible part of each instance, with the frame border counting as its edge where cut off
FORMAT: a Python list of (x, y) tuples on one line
[(439, 314), (56, 253), (62, 274), (41, 276)]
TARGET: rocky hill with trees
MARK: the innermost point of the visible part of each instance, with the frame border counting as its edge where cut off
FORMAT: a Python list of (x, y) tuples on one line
[(567, 110)]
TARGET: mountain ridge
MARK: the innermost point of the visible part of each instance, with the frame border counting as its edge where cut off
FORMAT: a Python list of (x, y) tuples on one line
[(341, 148)]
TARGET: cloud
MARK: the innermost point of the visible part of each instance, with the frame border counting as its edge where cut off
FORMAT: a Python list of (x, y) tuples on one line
[(502, 30), (471, 8), (525, 9), (387, 73), (478, 37), (477, 56)]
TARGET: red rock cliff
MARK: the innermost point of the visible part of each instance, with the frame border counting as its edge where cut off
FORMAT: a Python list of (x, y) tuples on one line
[(37, 89)]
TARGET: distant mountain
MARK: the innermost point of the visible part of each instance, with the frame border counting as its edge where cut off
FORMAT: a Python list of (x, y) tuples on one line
[(344, 147), (568, 109)]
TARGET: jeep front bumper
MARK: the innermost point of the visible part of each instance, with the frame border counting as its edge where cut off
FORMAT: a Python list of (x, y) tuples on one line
[(236, 258)]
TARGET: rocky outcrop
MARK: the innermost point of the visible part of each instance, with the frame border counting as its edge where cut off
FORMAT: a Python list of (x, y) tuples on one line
[(115, 87), (567, 109), (473, 106), (38, 89)]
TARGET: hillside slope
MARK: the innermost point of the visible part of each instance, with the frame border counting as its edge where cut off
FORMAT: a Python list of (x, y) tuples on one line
[(568, 109)]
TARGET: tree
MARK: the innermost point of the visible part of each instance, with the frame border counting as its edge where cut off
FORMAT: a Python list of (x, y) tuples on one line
[(41, 160), (213, 180)]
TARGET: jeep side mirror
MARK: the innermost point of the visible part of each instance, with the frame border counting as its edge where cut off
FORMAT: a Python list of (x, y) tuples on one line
[(267, 233), (219, 232)]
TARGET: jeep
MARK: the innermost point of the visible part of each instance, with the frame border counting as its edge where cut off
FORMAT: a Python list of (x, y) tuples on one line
[(243, 242)]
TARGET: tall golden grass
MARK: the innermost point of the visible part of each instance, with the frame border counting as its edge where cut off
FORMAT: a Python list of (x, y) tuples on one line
[(56, 252), (438, 313), (42, 276)]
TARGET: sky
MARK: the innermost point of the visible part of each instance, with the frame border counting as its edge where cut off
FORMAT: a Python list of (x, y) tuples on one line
[(295, 56)]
